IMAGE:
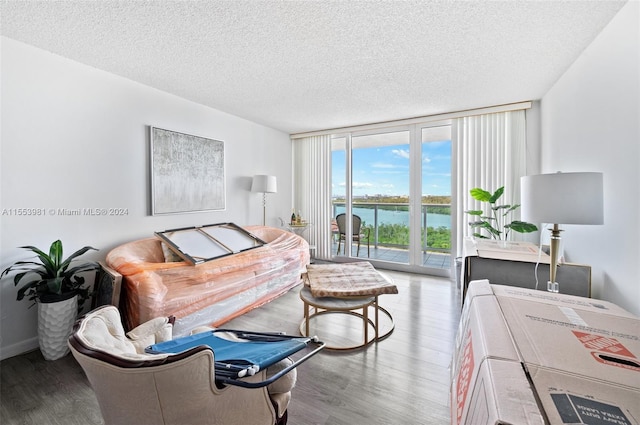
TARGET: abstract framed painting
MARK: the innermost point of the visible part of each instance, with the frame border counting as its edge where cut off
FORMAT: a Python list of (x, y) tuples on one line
[(187, 173)]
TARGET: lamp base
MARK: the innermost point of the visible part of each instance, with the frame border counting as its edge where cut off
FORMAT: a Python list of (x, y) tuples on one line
[(552, 285)]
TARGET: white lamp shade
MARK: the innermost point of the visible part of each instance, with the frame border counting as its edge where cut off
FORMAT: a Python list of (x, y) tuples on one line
[(562, 198), (265, 184)]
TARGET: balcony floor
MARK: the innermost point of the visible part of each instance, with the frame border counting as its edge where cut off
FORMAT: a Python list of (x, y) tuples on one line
[(439, 260)]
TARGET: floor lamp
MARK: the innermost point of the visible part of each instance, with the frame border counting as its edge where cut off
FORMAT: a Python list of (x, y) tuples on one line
[(265, 184), (561, 198)]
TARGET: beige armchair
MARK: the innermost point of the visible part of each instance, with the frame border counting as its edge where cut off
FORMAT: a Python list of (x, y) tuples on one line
[(133, 387)]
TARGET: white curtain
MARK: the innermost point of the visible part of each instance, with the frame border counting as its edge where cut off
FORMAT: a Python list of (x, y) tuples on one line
[(312, 189), (491, 152)]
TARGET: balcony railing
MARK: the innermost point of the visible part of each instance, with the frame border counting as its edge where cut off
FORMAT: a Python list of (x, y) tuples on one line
[(376, 216)]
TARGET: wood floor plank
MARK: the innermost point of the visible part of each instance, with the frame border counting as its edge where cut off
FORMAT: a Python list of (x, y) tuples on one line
[(403, 379)]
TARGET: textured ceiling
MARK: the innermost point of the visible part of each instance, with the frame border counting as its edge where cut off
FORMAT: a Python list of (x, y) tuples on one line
[(310, 65)]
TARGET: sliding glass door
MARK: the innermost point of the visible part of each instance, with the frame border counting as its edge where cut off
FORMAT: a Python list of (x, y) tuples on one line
[(394, 188), (380, 193), (435, 208)]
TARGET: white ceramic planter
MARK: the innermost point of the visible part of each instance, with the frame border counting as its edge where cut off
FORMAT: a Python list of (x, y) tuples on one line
[(55, 323)]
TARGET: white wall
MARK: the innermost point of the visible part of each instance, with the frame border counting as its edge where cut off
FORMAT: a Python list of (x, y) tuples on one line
[(591, 122), (76, 137)]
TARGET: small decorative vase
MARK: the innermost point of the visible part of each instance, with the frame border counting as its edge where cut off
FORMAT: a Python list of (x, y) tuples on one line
[(55, 323), (503, 244)]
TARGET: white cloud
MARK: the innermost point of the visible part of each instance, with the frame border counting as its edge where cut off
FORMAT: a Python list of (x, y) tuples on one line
[(359, 185), (402, 153), (382, 165)]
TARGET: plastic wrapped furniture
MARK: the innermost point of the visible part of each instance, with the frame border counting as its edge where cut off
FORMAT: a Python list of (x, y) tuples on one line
[(133, 387), (210, 293)]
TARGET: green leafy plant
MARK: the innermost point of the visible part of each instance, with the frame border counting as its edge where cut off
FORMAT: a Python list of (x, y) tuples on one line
[(53, 278), (496, 223)]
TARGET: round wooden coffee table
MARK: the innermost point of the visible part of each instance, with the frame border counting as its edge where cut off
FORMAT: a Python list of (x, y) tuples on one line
[(347, 305)]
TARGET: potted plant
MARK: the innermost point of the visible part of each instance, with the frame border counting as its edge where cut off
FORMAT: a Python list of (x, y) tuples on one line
[(496, 224), (57, 289)]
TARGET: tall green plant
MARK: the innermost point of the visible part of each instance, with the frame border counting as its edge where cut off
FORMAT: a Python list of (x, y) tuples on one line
[(53, 278), (496, 222)]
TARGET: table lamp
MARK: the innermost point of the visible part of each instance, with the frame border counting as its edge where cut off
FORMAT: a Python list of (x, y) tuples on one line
[(561, 198), (265, 184)]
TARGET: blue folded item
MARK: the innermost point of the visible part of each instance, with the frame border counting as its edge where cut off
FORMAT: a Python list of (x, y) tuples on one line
[(236, 359), (255, 352)]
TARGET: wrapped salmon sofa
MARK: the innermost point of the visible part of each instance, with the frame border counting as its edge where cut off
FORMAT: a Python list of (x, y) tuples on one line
[(210, 293)]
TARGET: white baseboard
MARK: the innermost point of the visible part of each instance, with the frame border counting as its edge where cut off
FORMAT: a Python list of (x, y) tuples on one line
[(19, 348)]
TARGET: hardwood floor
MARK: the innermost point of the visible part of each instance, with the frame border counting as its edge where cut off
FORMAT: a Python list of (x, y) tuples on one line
[(403, 379)]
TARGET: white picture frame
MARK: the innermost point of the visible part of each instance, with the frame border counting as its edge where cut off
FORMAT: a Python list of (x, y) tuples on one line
[(199, 244)]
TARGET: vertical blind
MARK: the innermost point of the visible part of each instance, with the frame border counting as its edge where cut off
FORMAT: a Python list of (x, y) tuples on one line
[(490, 154), (312, 189)]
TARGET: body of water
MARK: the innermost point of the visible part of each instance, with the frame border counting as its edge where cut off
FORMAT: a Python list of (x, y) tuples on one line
[(396, 217)]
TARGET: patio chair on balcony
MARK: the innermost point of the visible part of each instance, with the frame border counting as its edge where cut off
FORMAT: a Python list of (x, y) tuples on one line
[(356, 227)]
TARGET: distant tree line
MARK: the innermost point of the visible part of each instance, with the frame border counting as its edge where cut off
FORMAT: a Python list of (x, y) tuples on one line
[(445, 209), (396, 199)]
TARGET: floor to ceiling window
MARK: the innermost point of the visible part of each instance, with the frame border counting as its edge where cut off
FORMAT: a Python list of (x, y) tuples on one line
[(394, 187), (365, 170)]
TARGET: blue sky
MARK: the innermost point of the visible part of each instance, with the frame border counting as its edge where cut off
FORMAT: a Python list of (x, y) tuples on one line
[(385, 170)]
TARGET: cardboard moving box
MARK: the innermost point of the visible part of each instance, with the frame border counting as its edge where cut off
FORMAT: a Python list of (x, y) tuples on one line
[(488, 383), (571, 399), (577, 358)]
